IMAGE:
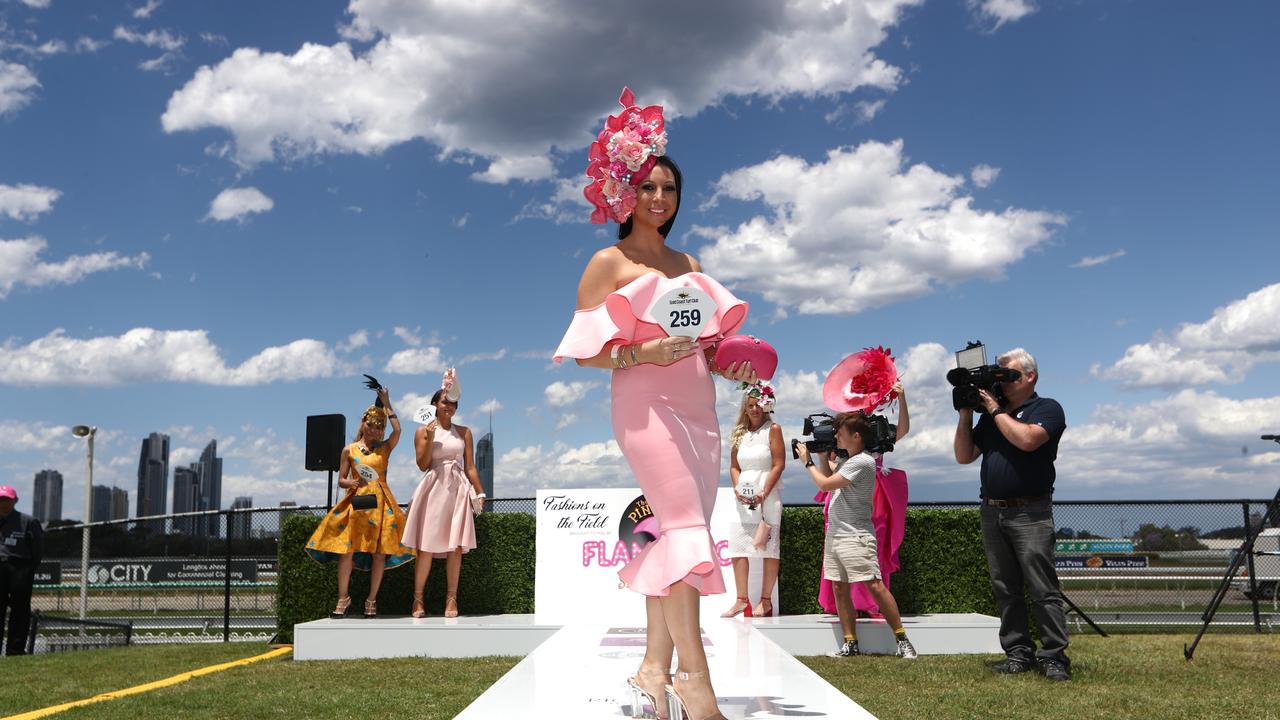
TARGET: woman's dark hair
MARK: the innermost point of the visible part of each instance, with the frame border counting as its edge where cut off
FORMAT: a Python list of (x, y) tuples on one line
[(855, 423), (624, 229), (436, 398)]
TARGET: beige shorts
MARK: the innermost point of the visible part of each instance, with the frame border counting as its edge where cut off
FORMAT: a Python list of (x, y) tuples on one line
[(850, 558)]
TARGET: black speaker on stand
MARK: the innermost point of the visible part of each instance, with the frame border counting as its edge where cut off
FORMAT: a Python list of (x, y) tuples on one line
[(325, 437)]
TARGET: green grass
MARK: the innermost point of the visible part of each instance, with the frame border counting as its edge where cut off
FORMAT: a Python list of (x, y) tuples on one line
[(1133, 676), (368, 689), (1130, 676)]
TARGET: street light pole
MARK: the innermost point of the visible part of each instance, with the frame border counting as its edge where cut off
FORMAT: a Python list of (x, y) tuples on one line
[(85, 431)]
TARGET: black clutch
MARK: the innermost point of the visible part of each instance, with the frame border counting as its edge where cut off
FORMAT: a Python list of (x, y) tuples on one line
[(364, 502)]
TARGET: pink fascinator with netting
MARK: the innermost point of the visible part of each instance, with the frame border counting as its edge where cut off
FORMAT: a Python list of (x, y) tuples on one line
[(621, 158), (861, 382)]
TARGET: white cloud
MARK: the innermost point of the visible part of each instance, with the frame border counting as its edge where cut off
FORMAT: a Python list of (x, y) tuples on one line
[(561, 394), (409, 337), (38, 4), (161, 63), (238, 203), (357, 339), (861, 229), (17, 87), (457, 75), (87, 44), (498, 354), (1092, 260), (492, 405), (20, 264), (521, 471), (162, 39), (26, 202), (417, 361), (144, 10), (1223, 349), (146, 355), (868, 110), (999, 12), (983, 175)]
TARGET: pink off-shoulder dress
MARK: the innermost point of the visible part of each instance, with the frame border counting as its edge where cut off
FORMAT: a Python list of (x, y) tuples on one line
[(664, 420)]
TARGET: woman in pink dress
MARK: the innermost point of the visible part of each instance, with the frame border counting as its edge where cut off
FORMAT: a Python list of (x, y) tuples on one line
[(664, 415), (441, 519)]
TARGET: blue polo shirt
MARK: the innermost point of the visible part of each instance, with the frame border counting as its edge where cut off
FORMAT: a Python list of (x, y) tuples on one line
[(1008, 472)]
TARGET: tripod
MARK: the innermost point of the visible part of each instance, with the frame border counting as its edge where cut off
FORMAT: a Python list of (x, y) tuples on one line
[(1243, 555)]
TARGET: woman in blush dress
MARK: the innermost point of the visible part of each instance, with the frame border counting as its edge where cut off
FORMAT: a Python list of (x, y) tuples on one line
[(755, 466), (441, 515), (663, 397)]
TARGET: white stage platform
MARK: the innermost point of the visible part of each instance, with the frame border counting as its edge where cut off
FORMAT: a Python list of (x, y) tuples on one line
[(479, 636), (581, 673)]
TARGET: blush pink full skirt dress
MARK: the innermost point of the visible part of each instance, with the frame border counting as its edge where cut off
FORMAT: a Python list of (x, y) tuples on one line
[(664, 420), (440, 519)]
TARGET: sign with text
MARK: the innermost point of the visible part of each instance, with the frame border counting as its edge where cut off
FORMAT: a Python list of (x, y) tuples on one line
[(584, 537), (130, 572), (1093, 547), (1100, 562), (48, 572)]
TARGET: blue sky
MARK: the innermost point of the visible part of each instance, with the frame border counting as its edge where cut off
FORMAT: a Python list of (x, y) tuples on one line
[(214, 217)]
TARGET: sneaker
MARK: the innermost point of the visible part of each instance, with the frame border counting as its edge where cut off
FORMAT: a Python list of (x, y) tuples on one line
[(906, 650), (848, 648), (1055, 670), (1011, 666)]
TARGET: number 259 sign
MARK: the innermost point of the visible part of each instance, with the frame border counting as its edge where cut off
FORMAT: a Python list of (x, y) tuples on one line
[(684, 311)]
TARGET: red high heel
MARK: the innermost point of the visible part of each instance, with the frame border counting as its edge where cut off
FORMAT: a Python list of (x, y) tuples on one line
[(744, 611), (765, 608)]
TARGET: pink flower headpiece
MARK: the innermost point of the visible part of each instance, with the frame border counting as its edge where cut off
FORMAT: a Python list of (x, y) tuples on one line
[(622, 157), (762, 392), (861, 382)]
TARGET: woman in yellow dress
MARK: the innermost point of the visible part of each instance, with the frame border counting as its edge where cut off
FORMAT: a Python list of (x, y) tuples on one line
[(364, 528)]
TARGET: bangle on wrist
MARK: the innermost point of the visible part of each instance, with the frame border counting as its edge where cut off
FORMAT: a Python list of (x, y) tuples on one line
[(613, 355), (634, 361), (998, 411)]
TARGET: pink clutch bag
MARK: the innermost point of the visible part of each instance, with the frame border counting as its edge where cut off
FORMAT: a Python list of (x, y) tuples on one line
[(739, 348)]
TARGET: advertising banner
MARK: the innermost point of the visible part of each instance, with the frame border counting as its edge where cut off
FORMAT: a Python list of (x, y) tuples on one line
[(585, 536), (132, 572), (1100, 562), (1093, 547)]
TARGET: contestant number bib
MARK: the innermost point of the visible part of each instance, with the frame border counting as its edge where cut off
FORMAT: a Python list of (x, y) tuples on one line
[(366, 473), (425, 415), (684, 311)]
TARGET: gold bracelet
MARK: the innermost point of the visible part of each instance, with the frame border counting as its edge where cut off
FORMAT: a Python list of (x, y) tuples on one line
[(634, 361)]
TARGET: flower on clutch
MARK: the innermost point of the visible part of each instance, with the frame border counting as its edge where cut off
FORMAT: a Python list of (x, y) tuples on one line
[(621, 158)]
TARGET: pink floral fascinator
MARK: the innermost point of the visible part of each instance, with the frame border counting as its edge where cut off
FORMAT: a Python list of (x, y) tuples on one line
[(861, 382), (621, 158)]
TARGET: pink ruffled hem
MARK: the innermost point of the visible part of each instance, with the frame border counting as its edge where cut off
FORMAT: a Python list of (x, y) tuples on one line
[(624, 315), (679, 554)]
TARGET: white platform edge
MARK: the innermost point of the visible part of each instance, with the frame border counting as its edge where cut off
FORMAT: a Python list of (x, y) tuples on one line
[(433, 637)]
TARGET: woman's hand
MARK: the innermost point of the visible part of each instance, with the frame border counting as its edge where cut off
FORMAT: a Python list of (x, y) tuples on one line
[(898, 390), (385, 397), (740, 372), (666, 351), (803, 451), (431, 428)]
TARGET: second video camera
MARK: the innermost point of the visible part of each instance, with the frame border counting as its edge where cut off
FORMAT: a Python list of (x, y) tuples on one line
[(821, 427), (972, 373)]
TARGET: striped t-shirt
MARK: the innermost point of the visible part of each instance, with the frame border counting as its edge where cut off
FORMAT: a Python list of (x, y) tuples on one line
[(850, 509)]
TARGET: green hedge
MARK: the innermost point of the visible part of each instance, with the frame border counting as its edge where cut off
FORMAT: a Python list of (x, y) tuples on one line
[(943, 568), (497, 577)]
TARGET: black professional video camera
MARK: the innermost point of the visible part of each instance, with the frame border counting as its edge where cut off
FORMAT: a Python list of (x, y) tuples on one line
[(883, 434), (972, 373), (822, 427)]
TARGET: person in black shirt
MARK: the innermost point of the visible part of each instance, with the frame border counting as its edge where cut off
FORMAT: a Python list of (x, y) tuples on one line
[(1018, 444), (21, 549)]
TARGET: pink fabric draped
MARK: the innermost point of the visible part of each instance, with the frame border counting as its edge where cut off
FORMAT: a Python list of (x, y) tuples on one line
[(889, 515)]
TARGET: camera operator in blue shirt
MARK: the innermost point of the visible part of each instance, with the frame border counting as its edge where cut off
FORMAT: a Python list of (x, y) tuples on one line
[(1018, 443)]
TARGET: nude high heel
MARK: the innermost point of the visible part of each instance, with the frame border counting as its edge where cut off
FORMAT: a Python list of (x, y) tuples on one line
[(451, 604), (419, 609), (341, 610), (370, 609), (677, 708), (639, 695)]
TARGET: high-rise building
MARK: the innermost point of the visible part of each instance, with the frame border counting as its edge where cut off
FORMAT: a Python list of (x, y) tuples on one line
[(241, 524), (119, 504), (153, 478), (186, 497), (209, 470), (484, 462), (101, 503), (47, 505)]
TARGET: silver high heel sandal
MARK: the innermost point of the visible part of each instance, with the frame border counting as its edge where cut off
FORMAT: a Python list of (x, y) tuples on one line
[(676, 708), (638, 698)]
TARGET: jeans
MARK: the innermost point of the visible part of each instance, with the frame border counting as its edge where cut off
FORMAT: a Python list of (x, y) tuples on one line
[(1019, 546)]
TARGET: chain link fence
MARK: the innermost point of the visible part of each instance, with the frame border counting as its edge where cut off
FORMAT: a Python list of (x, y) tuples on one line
[(211, 576)]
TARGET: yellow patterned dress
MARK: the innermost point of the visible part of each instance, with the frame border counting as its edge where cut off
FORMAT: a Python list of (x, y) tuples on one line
[(363, 532)]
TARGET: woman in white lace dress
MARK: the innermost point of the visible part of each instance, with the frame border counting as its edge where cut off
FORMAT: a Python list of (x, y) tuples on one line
[(755, 466)]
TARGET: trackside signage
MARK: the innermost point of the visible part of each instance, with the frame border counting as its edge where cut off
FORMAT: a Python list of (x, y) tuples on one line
[(133, 572)]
